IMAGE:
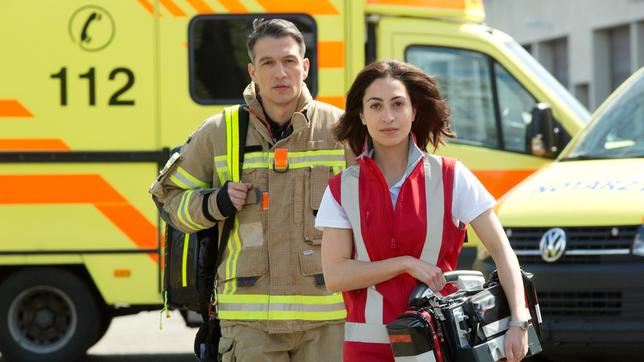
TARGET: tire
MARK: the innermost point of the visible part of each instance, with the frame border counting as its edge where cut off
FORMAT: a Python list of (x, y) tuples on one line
[(49, 314), (105, 322)]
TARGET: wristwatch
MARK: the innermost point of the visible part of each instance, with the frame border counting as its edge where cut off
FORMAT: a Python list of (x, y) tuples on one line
[(520, 324)]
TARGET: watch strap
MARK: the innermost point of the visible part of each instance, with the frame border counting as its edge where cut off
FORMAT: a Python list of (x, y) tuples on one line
[(520, 324)]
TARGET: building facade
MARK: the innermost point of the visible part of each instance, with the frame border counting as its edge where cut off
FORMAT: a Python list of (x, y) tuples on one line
[(590, 46)]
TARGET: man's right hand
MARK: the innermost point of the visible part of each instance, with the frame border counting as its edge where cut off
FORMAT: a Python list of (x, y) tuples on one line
[(237, 193)]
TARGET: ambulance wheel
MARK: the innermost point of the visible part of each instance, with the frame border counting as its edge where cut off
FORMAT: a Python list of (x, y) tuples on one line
[(49, 315), (106, 321)]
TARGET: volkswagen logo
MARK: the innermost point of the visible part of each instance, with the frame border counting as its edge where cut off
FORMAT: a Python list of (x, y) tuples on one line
[(553, 245)]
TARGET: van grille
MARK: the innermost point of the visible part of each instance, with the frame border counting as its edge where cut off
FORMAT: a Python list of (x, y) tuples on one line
[(570, 304), (606, 243)]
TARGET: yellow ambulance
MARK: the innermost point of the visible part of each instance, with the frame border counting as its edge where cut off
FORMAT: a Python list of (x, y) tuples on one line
[(94, 93), (578, 225)]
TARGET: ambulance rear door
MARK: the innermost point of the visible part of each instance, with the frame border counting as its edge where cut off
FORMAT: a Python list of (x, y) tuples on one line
[(79, 141)]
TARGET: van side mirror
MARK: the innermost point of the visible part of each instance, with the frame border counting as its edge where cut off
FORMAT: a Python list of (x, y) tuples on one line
[(544, 136)]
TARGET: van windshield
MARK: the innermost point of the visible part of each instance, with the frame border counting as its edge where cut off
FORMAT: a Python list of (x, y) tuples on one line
[(618, 131)]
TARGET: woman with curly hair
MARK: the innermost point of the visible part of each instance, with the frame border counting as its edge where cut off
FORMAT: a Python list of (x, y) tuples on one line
[(398, 215)]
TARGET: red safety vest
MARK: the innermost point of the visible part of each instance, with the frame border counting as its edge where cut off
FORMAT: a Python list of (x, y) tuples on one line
[(382, 232)]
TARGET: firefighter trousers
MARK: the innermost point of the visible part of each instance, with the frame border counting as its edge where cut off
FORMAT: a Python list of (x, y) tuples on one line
[(246, 344)]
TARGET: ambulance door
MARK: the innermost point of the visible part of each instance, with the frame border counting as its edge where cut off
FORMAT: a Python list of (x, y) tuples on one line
[(491, 109), (78, 141)]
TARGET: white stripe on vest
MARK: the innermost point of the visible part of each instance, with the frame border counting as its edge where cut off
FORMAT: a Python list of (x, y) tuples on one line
[(373, 330)]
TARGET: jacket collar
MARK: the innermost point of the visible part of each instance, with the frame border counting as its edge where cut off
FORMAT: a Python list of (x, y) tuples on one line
[(299, 120)]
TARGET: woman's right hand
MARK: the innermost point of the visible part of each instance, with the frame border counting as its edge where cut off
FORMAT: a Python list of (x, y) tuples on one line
[(426, 273)]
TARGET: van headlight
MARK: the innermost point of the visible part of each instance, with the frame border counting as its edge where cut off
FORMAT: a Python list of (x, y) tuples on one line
[(638, 244)]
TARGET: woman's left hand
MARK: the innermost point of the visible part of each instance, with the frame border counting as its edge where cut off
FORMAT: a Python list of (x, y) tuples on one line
[(516, 344)]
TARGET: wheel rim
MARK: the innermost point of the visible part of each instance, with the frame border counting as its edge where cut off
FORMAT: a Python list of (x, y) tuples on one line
[(42, 319)]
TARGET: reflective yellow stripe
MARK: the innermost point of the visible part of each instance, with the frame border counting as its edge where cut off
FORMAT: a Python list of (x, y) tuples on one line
[(186, 181), (316, 163), (182, 210), (316, 153), (184, 261), (282, 315), (179, 183), (232, 160), (187, 212), (290, 299), (234, 248), (221, 167), (232, 141), (194, 180), (281, 307), (308, 299), (303, 159)]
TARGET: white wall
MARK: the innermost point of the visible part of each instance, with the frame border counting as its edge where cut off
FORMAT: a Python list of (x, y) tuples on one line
[(581, 21)]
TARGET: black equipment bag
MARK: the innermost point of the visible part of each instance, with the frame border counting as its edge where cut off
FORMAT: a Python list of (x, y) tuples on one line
[(468, 325), (189, 269), (190, 266), (191, 259)]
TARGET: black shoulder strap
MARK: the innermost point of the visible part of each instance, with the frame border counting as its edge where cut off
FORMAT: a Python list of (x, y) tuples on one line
[(230, 221)]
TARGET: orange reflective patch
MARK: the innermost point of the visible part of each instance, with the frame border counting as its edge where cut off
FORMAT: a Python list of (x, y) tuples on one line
[(77, 189), (498, 182), (331, 54), (319, 7), (233, 6), (35, 144), (281, 159), (14, 109), (201, 6), (400, 338), (147, 5), (443, 4), (172, 8), (265, 200), (336, 101)]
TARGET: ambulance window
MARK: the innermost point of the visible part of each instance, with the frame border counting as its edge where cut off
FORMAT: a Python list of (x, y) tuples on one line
[(463, 78), (219, 60), (515, 108)]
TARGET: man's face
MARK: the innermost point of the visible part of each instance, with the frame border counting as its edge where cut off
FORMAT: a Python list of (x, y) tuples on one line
[(278, 70)]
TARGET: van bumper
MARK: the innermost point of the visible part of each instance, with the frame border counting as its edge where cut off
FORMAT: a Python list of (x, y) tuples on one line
[(598, 305)]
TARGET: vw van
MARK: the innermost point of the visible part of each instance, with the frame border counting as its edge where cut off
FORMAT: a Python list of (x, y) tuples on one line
[(577, 224)]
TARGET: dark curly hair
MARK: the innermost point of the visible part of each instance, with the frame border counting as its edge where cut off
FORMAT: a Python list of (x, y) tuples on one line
[(432, 121)]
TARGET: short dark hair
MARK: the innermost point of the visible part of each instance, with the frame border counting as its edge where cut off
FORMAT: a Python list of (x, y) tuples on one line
[(432, 121), (275, 28)]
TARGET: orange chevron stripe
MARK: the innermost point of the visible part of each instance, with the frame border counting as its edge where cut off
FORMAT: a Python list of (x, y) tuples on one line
[(443, 4), (233, 6), (13, 108), (336, 101), (33, 144), (201, 6), (331, 54), (172, 8), (498, 182), (81, 189), (147, 6), (319, 7)]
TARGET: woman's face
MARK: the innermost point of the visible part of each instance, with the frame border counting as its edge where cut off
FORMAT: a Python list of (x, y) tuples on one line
[(387, 112)]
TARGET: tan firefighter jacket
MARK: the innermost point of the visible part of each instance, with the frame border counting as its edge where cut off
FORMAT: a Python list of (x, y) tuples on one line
[(270, 276)]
